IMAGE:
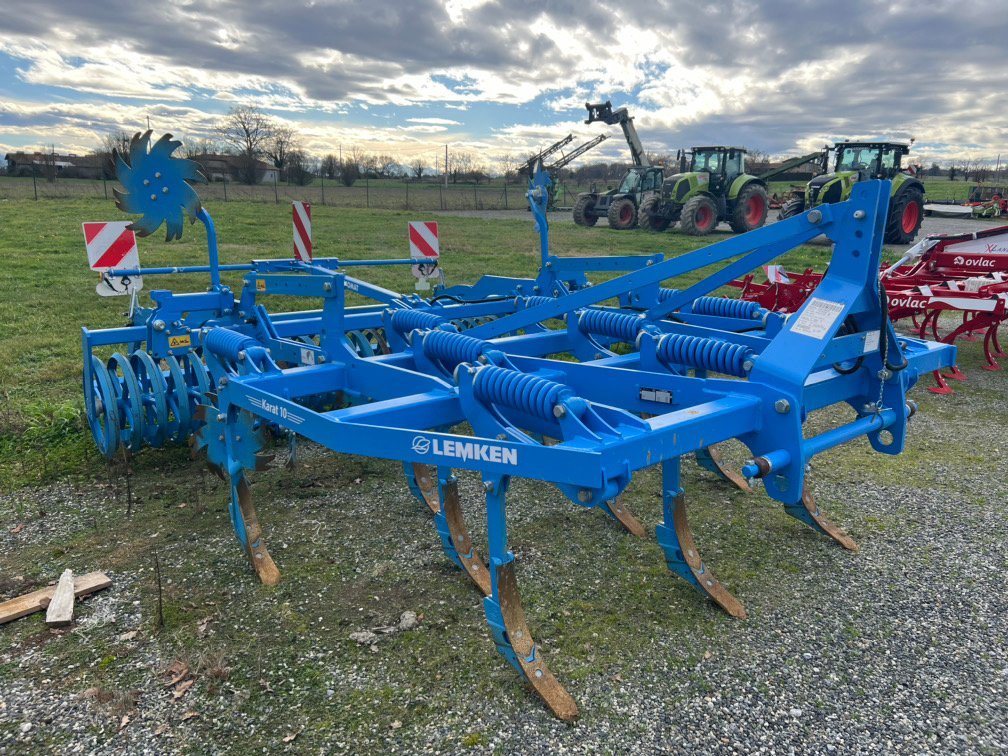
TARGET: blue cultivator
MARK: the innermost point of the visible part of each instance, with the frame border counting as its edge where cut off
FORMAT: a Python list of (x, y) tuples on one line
[(667, 373)]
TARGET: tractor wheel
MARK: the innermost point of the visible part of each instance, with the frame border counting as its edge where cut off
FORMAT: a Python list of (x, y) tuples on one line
[(791, 208), (699, 216), (750, 209), (906, 211), (647, 219), (583, 215), (622, 214)]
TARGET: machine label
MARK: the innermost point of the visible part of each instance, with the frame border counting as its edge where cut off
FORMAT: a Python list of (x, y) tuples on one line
[(260, 284), (871, 341), (661, 396), (465, 450), (307, 356), (177, 342), (817, 318)]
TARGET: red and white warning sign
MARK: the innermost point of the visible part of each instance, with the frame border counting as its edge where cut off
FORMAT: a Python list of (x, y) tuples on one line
[(423, 241), (301, 212), (112, 246)]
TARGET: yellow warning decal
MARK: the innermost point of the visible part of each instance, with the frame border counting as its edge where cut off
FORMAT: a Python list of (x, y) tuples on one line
[(260, 285), (177, 342)]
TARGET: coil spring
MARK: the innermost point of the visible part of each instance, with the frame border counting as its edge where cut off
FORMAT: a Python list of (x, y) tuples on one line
[(521, 391), (535, 301), (727, 308), (665, 294), (618, 325), (453, 348), (227, 343), (700, 352), (405, 321)]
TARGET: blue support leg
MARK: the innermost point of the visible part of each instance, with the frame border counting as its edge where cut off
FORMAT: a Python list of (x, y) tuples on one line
[(505, 615), (676, 540)]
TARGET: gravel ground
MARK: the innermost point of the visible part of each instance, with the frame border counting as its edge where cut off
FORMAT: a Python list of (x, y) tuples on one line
[(899, 648)]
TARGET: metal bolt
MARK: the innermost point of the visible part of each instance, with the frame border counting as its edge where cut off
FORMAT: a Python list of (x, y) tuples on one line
[(164, 190), (242, 355), (221, 417), (159, 325), (321, 359), (748, 365), (783, 406), (471, 371), (650, 262), (224, 381), (584, 495), (488, 486), (859, 214), (220, 437), (482, 359), (153, 198), (502, 437), (884, 375), (157, 174), (559, 411), (146, 182), (814, 216), (327, 286), (237, 439)]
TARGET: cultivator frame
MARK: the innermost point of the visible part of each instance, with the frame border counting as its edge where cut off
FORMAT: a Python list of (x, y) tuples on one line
[(966, 274), (479, 356)]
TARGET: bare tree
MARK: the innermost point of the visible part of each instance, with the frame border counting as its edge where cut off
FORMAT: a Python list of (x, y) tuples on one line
[(757, 161), (300, 168), (248, 130), (460, 165), (281, 144), (952, 171), (417, 168), (330, 166), (112, 142)]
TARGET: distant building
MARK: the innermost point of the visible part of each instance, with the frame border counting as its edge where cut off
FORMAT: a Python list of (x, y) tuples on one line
[(217, 167), (66, 166)]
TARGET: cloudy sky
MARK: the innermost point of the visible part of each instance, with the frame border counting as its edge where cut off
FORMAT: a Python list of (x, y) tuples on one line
[(408, 76)]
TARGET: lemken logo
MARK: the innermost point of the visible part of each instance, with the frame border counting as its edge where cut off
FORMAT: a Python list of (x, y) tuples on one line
[(465, 450)]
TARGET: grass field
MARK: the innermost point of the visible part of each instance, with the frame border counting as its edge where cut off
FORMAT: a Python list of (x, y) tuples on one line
[(275, 667)]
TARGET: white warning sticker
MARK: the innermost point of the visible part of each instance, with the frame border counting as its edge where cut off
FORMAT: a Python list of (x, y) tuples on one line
[(817, 318), (871, 341), (307, 356)]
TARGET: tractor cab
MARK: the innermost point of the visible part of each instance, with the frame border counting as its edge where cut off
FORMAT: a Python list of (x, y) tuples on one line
[(870, 160), (722, 164)]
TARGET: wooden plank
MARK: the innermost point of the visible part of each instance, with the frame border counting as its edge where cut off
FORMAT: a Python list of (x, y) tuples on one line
[(60, 610), (37, 600)]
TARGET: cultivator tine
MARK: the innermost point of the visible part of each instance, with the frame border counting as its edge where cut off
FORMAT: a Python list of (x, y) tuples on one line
[(684, 559), (216, 470), (528, 654), (808, 512), (471, 561), (622, 514), (709, 458), (425, 477), (263, 461), (262, 562)]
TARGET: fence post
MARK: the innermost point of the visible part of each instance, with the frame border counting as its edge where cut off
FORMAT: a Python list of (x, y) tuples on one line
[(505, 195), (276, 194), (225, 187), (367, 192), (407, 194), (322, 176), (104, 186), (475, 202), (440, 191), (34, 185)]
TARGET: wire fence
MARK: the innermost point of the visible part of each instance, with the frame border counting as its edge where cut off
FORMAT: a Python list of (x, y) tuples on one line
[(382, 194)]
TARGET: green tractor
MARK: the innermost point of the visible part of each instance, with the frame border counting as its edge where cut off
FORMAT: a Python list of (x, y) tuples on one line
[(860, 161), (715, 188), (619, 205)]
